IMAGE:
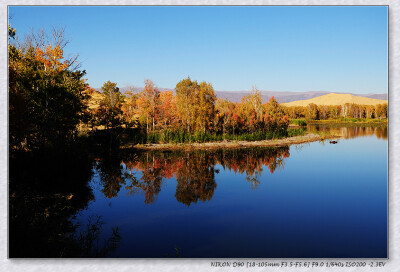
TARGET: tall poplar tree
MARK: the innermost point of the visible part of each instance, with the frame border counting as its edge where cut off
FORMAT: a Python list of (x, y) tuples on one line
[(185, 101)]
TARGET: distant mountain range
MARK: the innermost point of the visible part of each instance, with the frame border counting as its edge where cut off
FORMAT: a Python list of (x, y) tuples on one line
[(281, 97), (285, 97)]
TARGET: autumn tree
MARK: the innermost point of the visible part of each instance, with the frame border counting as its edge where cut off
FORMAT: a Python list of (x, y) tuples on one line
[(290, 111), (252, 109), (195, 104), (275, 119), (46, 101), (346, 110), (130, 107), (385, 110), (334, 111), (381, 111), (149, 102), (324, 111), (205, 106), (236, 120), (312, 112), (167, 110), (370, 111), (153, 95), (185, 101), (225, 110)]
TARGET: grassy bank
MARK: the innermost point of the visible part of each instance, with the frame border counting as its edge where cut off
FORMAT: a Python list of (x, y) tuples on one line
[(177, 137), (310, 137)]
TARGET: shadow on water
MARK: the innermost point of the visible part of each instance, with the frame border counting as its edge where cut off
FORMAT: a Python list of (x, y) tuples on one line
[(46, 190)]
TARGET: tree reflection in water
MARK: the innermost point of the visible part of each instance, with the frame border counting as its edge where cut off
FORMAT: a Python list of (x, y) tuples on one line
[(351, 131), (251, 161), (194, 171), (89, 239), (195, 178), (52, 187)]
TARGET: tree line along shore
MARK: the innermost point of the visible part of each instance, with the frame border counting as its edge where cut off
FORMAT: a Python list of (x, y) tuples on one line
[(50, 103)]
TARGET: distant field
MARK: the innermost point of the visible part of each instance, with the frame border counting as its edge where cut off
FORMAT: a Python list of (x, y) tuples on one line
[(337, 99)]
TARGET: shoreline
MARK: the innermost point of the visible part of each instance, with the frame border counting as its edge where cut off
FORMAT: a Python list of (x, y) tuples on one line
[(339, 122), (309, 137)]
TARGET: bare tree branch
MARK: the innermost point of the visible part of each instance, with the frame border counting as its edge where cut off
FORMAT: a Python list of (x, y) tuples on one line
[(41, 39)]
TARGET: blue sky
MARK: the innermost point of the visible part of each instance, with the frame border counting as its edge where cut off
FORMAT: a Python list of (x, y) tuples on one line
[(338, 49)]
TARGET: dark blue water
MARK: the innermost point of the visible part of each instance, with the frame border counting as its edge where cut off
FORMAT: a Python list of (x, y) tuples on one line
[(316, 200)]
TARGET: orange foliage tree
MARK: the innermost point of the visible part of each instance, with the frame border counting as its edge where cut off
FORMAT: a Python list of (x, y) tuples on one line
[(149, 105), (46, 93), (275, 119)]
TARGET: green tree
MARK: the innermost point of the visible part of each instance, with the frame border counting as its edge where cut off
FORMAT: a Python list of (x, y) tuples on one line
[(112, 95), (46, 101), (109, 114)]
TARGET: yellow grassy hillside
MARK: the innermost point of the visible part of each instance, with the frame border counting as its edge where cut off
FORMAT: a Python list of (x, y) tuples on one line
[(336, 99), (95, 98)]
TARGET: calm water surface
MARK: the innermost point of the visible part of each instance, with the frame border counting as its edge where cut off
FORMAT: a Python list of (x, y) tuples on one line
[(312, 200)]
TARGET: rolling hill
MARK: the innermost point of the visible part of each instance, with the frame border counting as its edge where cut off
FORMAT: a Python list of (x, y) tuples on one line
[(285, 97), (337, 99), (281, 97)]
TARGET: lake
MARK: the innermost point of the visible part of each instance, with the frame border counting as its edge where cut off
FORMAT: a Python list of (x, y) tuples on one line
[(314, 200)]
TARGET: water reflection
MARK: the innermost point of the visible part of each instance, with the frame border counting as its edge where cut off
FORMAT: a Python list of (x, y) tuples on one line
[(194, 171), (44, 200), (251, 161), (109, 170), (351, 131), (52, 212), (195, 178), (89, 239)]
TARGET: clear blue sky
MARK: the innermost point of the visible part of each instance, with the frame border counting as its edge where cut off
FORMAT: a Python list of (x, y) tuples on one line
[(338, 49)]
